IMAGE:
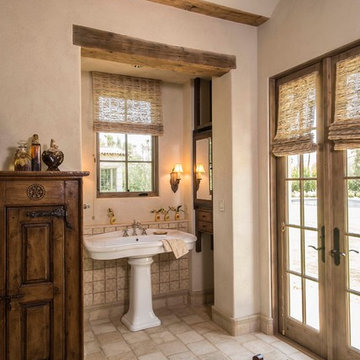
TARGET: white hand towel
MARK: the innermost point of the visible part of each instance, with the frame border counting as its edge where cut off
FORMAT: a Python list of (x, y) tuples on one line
[(177, 246)]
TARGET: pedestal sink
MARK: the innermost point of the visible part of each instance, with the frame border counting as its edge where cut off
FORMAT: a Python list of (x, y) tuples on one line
[(139, 249)]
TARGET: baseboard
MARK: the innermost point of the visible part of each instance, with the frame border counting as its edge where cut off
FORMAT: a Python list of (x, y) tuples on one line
[(266, 325), (238, 326), (202, 297)]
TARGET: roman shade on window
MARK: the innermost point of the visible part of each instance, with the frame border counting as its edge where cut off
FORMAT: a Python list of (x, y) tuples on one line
[(125, 104), (345, 130), (297, 116)]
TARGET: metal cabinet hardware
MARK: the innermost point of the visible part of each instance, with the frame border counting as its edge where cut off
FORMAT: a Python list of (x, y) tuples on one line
[(59, 212), (355, 251)]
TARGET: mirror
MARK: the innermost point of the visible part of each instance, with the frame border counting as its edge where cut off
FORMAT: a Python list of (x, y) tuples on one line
[(203, 166)]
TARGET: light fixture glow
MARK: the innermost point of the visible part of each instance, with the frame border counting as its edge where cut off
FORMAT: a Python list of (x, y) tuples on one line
[(199, 170), (175, 176)]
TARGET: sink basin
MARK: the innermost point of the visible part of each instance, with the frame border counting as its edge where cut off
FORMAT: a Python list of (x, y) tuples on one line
[(114, 245), (139, 250)]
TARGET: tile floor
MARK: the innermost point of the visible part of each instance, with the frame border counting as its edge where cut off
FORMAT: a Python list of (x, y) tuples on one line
[(186, 333)]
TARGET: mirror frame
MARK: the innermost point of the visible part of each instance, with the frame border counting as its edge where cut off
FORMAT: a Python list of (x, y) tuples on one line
[(199, 202)]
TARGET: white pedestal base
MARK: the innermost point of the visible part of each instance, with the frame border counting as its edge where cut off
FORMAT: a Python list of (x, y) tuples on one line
[(140, 315)]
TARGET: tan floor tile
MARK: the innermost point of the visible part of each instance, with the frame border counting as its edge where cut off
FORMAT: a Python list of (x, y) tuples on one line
[(217, 337), (183, 356), (95, 356), (205, 327), (190, 337), (172, 347), (300, 356), (179, 328), (124, 356), (167, 320), (144, 347), (231, 348), (107, 338), (103, 328), (134, 337), (258, 346), (91, 347), (156, 329), (242, 356), (116, 348), (275, 355), (110, 337), (268, 339), (162, 337), (201, 347), (89, 336), (214, 356), (192, 319), (284, 348), (153, 356), (246, 338)]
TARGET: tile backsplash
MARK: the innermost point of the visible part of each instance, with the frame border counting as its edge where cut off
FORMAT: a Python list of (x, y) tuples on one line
[(107, 282)]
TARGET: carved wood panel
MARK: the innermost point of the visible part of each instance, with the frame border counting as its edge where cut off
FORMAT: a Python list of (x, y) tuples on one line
[(35, 285)]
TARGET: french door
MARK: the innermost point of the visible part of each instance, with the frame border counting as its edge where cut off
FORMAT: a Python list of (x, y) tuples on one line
[(318, 242)]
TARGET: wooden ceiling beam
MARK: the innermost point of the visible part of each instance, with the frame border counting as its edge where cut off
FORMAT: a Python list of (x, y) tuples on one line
[(215, 10), (124, 49)]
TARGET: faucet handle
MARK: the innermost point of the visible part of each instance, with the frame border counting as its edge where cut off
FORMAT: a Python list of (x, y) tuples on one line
[(125, 232), (143, 232)]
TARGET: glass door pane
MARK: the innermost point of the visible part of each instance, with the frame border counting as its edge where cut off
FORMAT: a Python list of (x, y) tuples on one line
[(302, 241), (352, 246)]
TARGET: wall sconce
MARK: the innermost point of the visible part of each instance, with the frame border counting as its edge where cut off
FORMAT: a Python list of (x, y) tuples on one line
[(199, 171), (175, 177)]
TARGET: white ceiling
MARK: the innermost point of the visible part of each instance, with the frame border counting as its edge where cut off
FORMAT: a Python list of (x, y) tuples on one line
[(258, 7)]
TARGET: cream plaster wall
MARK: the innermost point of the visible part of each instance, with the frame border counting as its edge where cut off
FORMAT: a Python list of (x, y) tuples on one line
[(40, 91), (298, 31), (171, 151)]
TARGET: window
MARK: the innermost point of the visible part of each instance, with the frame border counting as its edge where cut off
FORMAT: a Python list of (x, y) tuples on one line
[(126, 164), (127, 121)]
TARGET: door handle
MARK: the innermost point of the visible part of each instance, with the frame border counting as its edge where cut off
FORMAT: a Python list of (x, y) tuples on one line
[(355, 251), (335, 252), (322, 244)]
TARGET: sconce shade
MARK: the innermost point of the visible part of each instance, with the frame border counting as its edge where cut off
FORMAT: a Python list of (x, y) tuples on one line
[(200, 169), (177, 168), (175, 177)]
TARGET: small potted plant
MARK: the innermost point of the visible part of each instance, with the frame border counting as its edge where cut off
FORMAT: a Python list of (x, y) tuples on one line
[(177, 211), (166, 214), (157, 213)]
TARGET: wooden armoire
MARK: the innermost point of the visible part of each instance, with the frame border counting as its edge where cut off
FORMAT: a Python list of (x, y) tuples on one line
[(41, 311)]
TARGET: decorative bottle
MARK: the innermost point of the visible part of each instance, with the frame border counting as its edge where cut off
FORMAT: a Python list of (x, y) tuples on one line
[(22, 160), (35, 152)]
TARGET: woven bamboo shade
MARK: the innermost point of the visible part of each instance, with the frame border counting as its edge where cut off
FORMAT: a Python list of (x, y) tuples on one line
[(126, 104), (345, 130), (297, 116)]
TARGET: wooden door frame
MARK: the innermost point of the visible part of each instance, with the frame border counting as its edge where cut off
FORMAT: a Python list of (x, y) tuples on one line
[(328, 85)]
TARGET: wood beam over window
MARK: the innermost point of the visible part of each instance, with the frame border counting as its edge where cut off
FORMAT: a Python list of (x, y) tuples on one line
[(215, 10), (124, 49)]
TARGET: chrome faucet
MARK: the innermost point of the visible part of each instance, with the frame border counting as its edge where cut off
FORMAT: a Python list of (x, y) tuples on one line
[(137, 225)]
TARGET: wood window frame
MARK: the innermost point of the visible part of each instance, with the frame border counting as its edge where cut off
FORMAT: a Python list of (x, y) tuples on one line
[(126, 194), (327, 63)]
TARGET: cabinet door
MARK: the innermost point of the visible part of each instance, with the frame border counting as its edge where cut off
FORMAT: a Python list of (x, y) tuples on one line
[(35, 285)]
